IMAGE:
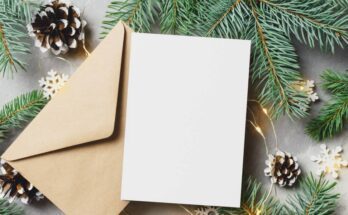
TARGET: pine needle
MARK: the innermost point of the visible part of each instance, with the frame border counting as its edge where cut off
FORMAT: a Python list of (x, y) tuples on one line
[(20, 111), (9, 208)]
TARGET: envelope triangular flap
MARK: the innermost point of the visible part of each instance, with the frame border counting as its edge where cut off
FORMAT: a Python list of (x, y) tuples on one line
[(84, 110)]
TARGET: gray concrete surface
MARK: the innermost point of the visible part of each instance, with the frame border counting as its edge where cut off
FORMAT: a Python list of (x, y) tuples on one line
[(290, 133)]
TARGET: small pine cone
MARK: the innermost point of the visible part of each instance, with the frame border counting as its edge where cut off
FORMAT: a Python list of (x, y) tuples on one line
[(13, 185), (283, 168), (57, 26)]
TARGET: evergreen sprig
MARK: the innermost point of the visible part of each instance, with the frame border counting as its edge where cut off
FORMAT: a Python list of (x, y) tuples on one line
[(176, 16), (333, 115), (335, 82), (138, 14), (20, 111), (315, 197), (270, 24), (9, 208), (312, 21), (14, 15)]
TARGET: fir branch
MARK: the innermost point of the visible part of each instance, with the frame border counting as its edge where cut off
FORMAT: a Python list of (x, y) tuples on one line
[(20, 9), (330, 120), (138, 14), (255, 202), (14, 14), (226, 19), (316, 197), (333, 115), (311, 21), (20, 111), (335, 82), (275, 66), (9, 208), (176, 16)]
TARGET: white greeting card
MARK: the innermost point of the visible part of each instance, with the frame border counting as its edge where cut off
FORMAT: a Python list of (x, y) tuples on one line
[(185, 124)]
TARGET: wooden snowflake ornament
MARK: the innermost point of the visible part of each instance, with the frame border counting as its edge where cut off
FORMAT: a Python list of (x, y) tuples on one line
[(52, 83), (309, 89), (207, 211), (330, 161)]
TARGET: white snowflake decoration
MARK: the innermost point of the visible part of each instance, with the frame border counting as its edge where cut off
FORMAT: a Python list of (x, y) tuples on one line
[(52, 83), (330, 161), (207, 211), (308, 87)]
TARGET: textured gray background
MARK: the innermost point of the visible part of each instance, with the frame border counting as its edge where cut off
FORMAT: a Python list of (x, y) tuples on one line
[(290, 133)]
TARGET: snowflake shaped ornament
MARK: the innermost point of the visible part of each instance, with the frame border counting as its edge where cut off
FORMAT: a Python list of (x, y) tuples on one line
[(207, 211), (330, 161), (52, 83), (308, 88)]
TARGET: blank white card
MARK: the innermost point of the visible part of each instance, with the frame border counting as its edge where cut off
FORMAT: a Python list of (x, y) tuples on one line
[(186, 114)]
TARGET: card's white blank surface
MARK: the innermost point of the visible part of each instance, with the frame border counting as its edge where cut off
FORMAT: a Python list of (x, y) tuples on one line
[(185, 122)]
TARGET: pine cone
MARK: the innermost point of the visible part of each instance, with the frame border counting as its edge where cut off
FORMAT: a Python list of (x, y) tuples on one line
[(13, 185), (57, 26), (283, 168)]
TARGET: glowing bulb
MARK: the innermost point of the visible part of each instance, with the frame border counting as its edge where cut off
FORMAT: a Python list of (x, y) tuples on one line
[(258, 211), (265, 110), (258, 129)]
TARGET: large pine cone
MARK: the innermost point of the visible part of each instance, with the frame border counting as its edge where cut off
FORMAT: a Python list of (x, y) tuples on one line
[(13, 185), (57, 26), (283, 168)]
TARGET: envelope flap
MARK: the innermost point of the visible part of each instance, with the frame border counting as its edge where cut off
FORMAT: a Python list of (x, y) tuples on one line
[(84, 110)]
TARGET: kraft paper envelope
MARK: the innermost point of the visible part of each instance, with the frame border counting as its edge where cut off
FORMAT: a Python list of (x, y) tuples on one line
[(72, 151)]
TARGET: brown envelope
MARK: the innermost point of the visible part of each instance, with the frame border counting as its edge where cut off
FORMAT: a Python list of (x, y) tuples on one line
[(72, 151)]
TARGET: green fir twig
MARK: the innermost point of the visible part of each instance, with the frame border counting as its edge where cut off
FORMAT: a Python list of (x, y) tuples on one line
[(14, 15), (7, 208), (334, 113), (316, 197), (176, 16), (19, 111), (312, 22), (335, 82)]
